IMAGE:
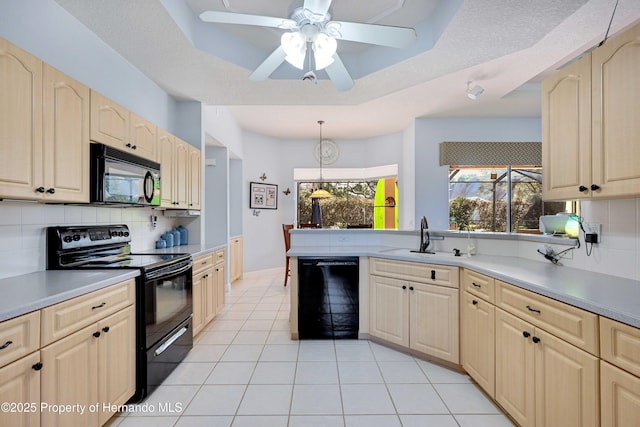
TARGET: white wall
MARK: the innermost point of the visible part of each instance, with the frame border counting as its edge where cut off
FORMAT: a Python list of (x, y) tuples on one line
[(432, 180)]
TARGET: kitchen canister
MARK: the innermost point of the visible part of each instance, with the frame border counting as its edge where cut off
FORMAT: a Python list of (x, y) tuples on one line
[(161, 244), (176, 237), (184, 235), (168, 237)]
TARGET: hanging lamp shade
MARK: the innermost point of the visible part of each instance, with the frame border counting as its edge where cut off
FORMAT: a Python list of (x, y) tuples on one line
[(320, 193)]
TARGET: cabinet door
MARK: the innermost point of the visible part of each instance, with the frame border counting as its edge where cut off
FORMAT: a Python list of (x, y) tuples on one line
[(433, 321), (198, 303), (66, 138), (566, 132), (566, 384), (109, 122), (143, 138), (181, 174), (389, 310), (219, 286), (70, 377), (477, 339), (20, 123), (620, 397), (210, 295), (166, 145), (515, 368), (616, 115), (195, 178), (235, 258), (116, 360), (20, 383)]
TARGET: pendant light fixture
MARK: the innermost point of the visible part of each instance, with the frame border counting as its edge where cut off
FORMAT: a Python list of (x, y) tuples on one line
[(320, 193)]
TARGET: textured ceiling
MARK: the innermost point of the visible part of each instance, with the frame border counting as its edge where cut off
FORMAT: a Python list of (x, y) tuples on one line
[(506, 46)]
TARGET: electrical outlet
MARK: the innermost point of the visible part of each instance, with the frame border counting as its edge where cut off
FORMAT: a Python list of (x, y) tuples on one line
[(593, 228)]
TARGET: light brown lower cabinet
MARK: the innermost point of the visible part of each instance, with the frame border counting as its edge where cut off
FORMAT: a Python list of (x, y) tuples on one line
[(619, 397), (207, 288), (477, 340), (95, 365), (20, 387), (542, 380)]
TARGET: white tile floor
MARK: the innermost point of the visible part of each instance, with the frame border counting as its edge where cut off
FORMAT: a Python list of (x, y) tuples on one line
[(244, 371)]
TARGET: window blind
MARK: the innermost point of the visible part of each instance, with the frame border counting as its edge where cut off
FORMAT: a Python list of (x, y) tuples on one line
[(490, 153)]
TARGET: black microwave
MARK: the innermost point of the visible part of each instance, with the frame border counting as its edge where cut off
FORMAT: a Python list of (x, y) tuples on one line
[(121, 178)]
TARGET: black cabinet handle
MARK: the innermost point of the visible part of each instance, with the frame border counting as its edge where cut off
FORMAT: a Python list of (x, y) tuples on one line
[(404, 286), (535, 340), (37, 366), (474, 302), (5, 345), (476, 285), (582, 189), (98, 306), (433, 275), (128, 145), (595, 187), (205, 276), (533, 309), (526, 334), (51, 190), (105, 329), (40, 190), (96, 334), (410, 288), (135, 147)]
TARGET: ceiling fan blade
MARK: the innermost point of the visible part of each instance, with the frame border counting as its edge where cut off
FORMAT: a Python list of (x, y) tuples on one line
[(382, 35), (269, 65), (244, 19), (339, 75), (316, 10)]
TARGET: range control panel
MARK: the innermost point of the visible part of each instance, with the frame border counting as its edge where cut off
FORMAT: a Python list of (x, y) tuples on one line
[(88, 236)]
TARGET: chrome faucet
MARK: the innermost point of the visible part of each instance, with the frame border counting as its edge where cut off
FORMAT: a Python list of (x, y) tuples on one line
[(424, 235)]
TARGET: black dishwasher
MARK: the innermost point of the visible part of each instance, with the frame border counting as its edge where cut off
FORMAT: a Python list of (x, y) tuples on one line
[(328, 298)]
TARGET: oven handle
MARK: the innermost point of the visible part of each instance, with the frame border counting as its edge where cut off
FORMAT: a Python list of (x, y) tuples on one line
[(170, 341), (167, 272)]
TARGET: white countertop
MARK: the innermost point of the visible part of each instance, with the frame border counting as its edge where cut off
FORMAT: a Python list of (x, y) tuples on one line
[(25, 293), (29, 292), (614, 297)]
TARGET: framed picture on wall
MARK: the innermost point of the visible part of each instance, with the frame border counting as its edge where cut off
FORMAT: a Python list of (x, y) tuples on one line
[(263, 196)]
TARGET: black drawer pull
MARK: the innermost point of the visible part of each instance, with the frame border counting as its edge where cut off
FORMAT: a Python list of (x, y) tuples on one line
[(96, 334), (433, 275), (476, 285), (5, 345), (51, 191), (98, 306), (526, 334), (535, 340), (37, 366), (40, 190), (533, 309), (410, 288), (105, 329), (404, 286), (474, 302)]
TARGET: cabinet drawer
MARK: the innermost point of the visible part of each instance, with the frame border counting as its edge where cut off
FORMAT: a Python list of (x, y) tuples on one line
[(219, 256), (478, 284), (620, 345), (572, 324), (69, 316), (202, 262), (19, 336), (441, 275)]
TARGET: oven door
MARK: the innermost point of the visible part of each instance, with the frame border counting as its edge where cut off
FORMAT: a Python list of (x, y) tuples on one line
[(167, 300)]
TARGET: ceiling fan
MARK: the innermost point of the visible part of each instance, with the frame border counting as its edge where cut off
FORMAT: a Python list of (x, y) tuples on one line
[(311, 25)]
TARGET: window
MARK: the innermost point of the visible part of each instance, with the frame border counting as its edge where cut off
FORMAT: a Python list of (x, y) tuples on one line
[(354, 204), (499, 198)]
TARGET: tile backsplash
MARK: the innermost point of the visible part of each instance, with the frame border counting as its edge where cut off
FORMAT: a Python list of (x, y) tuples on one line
[(23, 225)]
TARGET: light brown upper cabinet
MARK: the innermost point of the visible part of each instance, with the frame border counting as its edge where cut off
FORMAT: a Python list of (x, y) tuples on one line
[(109, 121), (142, 141), (195, 177), (590, 123), (45, 128), (166, 143)]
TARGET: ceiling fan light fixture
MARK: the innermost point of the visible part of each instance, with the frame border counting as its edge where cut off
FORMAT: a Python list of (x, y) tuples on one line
[(475, 91), (294, 45), (324, 47)]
